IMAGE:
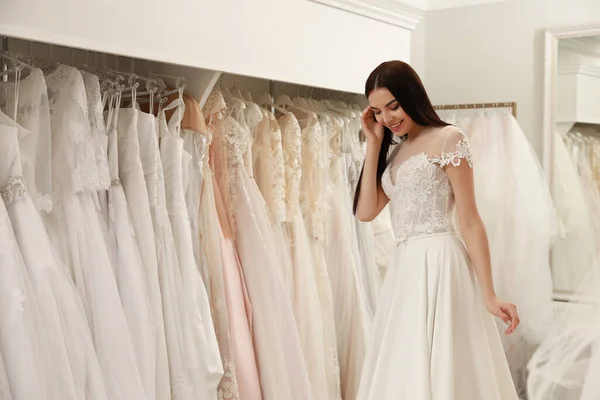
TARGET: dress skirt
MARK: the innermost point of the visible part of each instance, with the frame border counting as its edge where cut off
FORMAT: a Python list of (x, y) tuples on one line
[(433, 338)]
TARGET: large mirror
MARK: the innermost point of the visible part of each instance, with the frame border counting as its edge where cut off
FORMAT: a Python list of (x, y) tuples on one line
[(572, 151)]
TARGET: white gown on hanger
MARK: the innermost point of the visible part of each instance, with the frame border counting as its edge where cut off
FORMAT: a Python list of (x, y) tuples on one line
[(307, 307), (129, 270), (5, 393), (433, 337), (205, 357), (315, 165), (33, 114), (72, 371), (350, 306), (178, 330), (131, 176), (21, 329), (75, 229)]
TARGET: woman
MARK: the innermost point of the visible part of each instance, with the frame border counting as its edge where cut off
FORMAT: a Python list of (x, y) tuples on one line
[(434, 335)]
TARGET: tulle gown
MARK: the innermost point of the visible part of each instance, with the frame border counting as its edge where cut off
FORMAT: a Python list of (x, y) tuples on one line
[(129, 270), (452, 349), (72, 368), (75, 229), (178, 332), (207, 359), (33, 114), (350, 306), (131, 177), (5, 393), (22, 333), (279, 355), (312, 198), (307, 307)]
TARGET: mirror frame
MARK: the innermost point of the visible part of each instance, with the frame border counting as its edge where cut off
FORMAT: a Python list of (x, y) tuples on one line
[(552, 36)]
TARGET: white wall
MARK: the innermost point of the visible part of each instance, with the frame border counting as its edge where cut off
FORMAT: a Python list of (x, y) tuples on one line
[(495, 52), (297, 41)]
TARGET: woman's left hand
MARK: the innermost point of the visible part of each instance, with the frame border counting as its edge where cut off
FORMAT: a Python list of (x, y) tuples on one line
[(507, 312)]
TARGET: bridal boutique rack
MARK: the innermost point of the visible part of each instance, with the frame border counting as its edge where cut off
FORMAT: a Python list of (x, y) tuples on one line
[(512, 105), (198, 82), (196, 249)]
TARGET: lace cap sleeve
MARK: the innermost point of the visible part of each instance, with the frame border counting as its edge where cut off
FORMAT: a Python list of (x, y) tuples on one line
[(455, 150)]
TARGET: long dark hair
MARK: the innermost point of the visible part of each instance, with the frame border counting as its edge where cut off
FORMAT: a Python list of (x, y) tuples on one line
[(405, 85)]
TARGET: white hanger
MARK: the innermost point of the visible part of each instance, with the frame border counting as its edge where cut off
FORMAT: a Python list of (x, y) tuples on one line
[(284, 100), (267, 100)]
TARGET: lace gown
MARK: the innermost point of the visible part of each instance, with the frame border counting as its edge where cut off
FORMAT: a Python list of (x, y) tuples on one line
[(21, 329), (350, 305), (312, 199), (75, 229), (5, 393), (452, 349), (33, 114), (74, 372), (279, 355), (307, 307)]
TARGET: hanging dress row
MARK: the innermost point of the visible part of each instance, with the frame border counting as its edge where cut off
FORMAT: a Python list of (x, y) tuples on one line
[(178, 253)]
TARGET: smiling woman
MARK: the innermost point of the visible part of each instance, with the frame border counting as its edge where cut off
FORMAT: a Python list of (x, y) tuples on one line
[(431, 328)]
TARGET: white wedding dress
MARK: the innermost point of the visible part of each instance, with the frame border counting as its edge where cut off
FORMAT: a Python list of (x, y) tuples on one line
[(75, 228), (433, 337), (73, 372)]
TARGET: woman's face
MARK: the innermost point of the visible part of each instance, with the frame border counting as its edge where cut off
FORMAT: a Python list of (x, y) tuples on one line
[(388, 112)]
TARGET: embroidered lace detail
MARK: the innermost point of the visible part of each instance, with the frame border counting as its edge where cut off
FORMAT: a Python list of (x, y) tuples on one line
[(98, 127), (462, 152), (73, 152), (18, 297), (421, 197), (228, 388), (214, 104), (292, 153), (14, 190), (314, 167), (4, 387), (180, 390), (201, 143), (33, 114), (269, 161)]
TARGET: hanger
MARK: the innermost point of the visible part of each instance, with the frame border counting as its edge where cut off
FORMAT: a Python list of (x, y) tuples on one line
[(267, 100), (284, 100)]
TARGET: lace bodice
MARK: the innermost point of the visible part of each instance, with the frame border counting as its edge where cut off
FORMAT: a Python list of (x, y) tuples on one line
[(73, 155), (98, 127), (421, 197), (33, 114), (291, 135), (269, 165), (314, 168)]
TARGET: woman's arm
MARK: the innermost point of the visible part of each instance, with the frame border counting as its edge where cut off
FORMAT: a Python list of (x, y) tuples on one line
[(475, 237), (372, 198)]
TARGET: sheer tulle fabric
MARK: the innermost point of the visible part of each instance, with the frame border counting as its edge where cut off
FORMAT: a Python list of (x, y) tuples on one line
[(131, 176), (74, 371), (75, 229), (277, 345), (206, 360)]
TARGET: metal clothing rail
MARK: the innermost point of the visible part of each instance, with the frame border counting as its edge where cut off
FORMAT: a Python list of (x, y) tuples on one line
[(512, 105)]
